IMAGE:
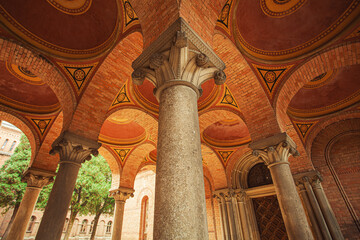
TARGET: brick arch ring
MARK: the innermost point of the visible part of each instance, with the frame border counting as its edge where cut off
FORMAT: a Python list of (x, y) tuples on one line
[(333, 58), (37, 64), (26, 128)]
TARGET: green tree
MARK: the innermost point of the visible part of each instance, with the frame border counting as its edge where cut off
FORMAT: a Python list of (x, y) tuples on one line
[(91, 192), (11, 187)]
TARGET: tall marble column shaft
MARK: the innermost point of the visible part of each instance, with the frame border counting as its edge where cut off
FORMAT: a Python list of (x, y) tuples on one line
[(177, 63), (120, 195), (275, 151), (36, 179), (230, 216), (317, 206), (73, 151)]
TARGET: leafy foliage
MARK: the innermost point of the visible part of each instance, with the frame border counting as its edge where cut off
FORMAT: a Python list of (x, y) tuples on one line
[(11, 187), (91, 191)]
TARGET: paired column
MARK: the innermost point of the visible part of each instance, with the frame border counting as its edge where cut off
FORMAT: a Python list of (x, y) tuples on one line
[(73, 151), (120, 195), (322, 218), (36, 179), (275, 151), (178, 62), (232, 217)]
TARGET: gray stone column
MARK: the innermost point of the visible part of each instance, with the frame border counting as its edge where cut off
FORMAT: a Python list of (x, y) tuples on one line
[(307, 204), (326, 209), (178, 62), (275, 151), (73, 151), (244, 222), (120, 195), (36, 179), (226, 198)]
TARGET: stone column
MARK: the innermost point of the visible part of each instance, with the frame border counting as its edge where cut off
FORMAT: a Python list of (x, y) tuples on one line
[(73, 151), (36, 179), (178, 62), (226, 211), (275, 151), (244, 222), (120, 195), (326, 209), (314, 225)]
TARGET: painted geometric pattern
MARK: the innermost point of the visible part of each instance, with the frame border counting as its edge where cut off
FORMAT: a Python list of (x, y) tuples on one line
[(304, 128), (121, 97), (79, 74), (269, 219), (122, 153), (130, 17), (271, 76), (228, 98), (41, 124), (225, 155), (224, 18)]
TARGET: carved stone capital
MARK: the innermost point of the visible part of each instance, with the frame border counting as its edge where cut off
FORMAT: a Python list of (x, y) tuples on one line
[(240, 195), (122, 194), (313, 177), (178, 55), (224, 195), (74, 149), (275, 149), (36, 178)]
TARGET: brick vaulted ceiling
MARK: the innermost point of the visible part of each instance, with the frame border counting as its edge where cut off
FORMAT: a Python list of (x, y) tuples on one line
[(66, 65)]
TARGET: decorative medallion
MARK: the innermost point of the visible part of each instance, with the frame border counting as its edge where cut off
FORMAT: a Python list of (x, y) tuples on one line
[(79, 74), (130, 17), (228, 98), (320, 80), (303, 128), (122, 154), (271, 76), (225, 155), (72, 7), (224, 18), (23, 74), (280, 8), (41, 124), (121, 97)]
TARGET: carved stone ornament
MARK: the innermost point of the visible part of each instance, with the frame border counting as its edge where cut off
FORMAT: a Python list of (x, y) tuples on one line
[(224, 195), (74, 149), (219, 77), (122, 194), (138, 77), (37, 178), (201, 60), (178, 56), (275, 149)]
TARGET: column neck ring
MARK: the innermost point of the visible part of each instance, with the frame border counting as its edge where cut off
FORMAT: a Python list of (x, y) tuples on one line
[(278, 163), (71, 162), (175, 82)]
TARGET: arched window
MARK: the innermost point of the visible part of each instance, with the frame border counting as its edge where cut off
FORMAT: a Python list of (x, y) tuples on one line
[(31, 224), (83, 226), (4, 145), (12, 146), (91, 226), (66, 224), (144, 218), (108, 227), (259, 175)]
